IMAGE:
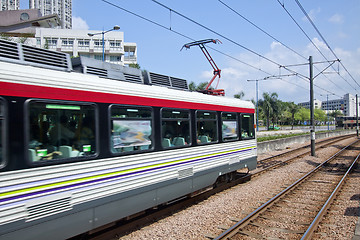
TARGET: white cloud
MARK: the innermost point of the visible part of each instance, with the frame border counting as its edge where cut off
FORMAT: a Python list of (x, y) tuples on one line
[(312, 14), (336, 18), (79, 23)]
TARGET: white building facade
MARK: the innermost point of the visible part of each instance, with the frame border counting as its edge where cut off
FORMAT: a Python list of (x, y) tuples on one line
[(347, 105), (63, 8), (317, 104), (79, 43), (9, 5)]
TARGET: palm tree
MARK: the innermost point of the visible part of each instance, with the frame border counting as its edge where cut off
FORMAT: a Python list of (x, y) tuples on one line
[(269, 105), (293, 109), (200, 87), (239, 95)]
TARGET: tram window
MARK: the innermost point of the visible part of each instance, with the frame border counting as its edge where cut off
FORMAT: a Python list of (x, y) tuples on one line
[(2, 143), (131, 128), (247, 126), (60, 130), (175, 127), (229, 126), (206, 127)]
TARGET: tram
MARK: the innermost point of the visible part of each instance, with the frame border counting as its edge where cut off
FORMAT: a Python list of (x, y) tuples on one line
[(84, 143), (346, 122)]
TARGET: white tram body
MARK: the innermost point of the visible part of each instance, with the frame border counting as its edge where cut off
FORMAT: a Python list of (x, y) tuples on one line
[(131, 162)]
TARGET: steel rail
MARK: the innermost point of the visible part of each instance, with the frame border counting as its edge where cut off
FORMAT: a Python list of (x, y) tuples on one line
[(234, 229), (332, 140), (266, 160), (308, 233)]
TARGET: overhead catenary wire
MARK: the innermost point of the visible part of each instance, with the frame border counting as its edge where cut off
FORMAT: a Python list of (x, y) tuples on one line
[(262, 30), (187, 37), (217, 33), (232, 41), (322, 37), (274, 38), (180, 34), (307, 36)]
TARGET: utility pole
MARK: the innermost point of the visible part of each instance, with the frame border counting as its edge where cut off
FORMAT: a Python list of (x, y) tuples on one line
[(311, 78), (357, 117), (257, 106), (257, 93), (312, 121)]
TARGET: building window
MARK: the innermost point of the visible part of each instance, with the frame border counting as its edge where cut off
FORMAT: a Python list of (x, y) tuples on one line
[(84, 55), (67, 43), (97, 43), (115, 58), (83, 43), (98, 57), (51, 42), (115, 44)]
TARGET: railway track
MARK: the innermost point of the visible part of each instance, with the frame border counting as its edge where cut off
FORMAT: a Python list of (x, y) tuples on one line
[(296, 211), (273, 161)]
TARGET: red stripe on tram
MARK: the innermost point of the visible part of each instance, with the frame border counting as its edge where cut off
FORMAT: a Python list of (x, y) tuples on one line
[(32, 91)]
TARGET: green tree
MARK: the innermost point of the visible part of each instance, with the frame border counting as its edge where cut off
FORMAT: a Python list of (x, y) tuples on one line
[(6, 37), (320, 115), (269, 106), (199, 87), (239, 95), (284, 115), (336, 114), (302, 115), (293, 109), (22, 40), (46, 45), (134, 65)]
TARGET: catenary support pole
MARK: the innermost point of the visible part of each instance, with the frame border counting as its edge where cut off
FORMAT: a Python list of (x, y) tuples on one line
[(257, 106), (357, 116), (312, 121)]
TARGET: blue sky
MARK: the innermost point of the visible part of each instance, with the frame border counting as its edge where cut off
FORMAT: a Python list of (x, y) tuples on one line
[(159, 48)]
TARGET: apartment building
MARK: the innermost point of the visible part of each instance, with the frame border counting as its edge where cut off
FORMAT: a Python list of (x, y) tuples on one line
[(347, 105), (63, 8), (79, 43), (6, 5)]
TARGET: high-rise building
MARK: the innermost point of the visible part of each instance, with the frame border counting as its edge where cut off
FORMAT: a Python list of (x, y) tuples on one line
[(9, 5), (63, 8)]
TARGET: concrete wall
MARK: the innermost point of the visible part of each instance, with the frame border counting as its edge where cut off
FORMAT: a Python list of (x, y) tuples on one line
[(283, 143)]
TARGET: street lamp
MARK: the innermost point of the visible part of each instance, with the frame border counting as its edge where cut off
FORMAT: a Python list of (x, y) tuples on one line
[(257, 102), (116, 27), (257, 93)]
